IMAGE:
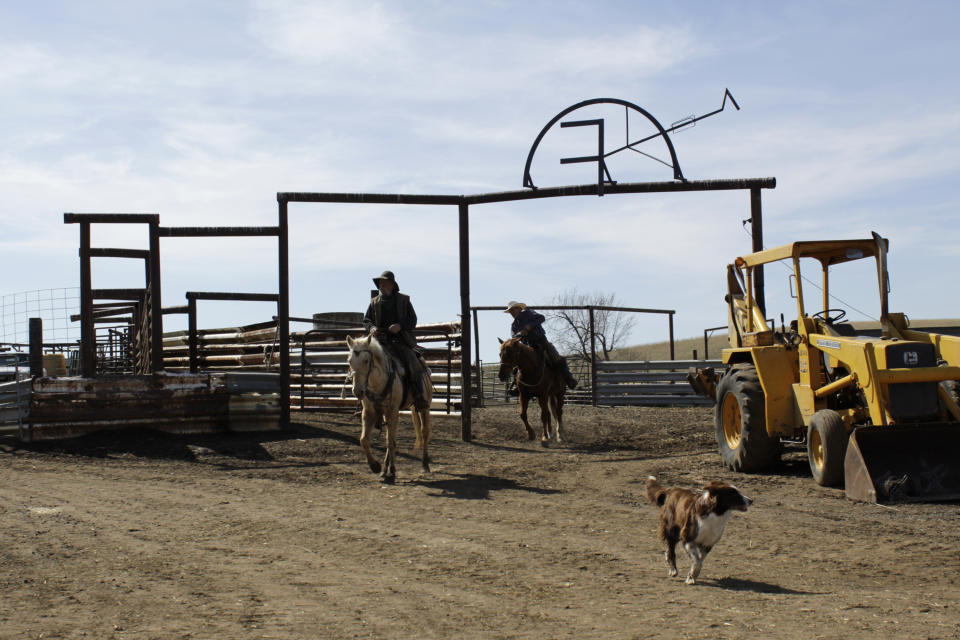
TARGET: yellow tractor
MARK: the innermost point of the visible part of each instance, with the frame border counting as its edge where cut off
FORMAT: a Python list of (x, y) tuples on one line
[(880, 414)]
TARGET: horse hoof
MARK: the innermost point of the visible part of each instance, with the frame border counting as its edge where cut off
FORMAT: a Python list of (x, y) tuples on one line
[(544, 443), (387, 479), (375, 466)]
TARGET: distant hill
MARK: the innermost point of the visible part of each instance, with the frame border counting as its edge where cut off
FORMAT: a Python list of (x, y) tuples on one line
[(683, 347)]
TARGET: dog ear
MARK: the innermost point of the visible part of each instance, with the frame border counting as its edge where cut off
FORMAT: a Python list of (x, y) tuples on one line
[(501, 341), (709, 497)]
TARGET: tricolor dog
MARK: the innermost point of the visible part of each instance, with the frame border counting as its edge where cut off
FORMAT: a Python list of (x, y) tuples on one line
[(696, 519)]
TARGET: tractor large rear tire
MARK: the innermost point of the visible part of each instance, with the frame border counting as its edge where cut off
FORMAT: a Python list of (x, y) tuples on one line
[(740, 422), (827, 440)]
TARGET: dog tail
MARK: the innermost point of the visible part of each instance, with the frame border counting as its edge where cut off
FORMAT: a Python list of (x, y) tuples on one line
[(655, 493)]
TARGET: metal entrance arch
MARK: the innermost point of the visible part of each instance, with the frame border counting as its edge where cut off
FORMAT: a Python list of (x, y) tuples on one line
[(463, 203)]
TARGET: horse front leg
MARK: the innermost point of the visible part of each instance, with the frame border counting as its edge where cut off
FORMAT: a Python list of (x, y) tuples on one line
[(389, 473), (524, 401), (544, 418), (368, 419), (556, 407)]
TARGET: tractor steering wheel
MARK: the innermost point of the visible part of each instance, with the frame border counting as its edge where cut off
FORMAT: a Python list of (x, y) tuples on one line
[(826, 316)]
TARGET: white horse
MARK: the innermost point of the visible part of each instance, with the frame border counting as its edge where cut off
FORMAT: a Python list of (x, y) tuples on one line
[(378, 385)]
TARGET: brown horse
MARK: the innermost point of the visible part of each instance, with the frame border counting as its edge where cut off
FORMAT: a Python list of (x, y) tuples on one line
[(377, 383), (535, 379)]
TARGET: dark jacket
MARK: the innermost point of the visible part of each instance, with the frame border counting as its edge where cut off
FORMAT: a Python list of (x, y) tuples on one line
[(406, 317), (529, 317)]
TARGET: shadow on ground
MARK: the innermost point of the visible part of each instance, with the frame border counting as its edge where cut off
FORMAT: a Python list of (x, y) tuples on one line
[(736, 584), (158, 444), (477, 487)]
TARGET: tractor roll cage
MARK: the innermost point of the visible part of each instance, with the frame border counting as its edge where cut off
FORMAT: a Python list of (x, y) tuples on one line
[(828, 253)]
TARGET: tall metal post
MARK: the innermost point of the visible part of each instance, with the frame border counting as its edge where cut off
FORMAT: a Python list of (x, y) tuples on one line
[(88, 347), (476, 346), (593, 361), (670, 315), (156, 301), (36, 347), (756, 226), (283, 314), (192, 338), (466, 385)]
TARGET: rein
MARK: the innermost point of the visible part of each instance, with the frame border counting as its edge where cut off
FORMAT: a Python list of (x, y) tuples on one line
[(543, 370), (377, 399)]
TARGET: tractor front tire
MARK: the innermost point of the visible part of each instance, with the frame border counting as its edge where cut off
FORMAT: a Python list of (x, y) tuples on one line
[(827, 440), (740, 422)]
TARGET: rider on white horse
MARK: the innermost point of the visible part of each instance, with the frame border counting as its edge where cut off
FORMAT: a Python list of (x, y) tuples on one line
[(527, 324), (391, 318)]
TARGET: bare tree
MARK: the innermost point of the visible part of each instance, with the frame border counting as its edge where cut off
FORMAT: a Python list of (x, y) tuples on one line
[(571, 327)]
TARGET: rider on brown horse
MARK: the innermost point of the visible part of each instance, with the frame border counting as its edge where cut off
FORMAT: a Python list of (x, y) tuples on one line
[(391, 318), (527, 324)]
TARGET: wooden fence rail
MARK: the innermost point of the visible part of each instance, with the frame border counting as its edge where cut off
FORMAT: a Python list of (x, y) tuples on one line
[(649, 383), (318, 370), (318, 360)]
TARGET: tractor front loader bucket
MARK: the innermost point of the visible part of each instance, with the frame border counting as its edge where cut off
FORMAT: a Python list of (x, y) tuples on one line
[(919, 463)]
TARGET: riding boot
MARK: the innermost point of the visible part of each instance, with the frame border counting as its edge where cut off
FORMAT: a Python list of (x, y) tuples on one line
[(571, 381)]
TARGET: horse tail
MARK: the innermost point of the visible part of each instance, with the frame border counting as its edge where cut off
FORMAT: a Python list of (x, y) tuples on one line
[(417, 429)]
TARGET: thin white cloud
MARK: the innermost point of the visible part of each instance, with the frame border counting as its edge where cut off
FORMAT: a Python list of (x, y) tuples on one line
[(349, 33), (637, 52), (408, 61), (24, 60)]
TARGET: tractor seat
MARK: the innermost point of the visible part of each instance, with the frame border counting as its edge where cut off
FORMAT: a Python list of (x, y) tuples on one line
[(841, 329)]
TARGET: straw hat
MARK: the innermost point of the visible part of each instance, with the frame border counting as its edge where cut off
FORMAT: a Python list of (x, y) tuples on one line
[(513, 304)]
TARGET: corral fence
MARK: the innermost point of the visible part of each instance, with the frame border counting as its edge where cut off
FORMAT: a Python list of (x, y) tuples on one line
[(593, 388), (489, 390), (619, 383), (318, 359), (15, 385), (319, 377), (212, 379), (648, 383)]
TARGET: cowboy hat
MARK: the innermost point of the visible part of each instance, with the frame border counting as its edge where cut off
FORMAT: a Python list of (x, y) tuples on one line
[(513, 304), (386, 275)]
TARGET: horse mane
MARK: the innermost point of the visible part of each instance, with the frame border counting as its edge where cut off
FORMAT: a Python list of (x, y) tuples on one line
[(376, 347), (517, 342), (379, 353)]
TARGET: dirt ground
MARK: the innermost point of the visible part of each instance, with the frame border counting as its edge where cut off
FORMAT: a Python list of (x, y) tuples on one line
[(146, 535)]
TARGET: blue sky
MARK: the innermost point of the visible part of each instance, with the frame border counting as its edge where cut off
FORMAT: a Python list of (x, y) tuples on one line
[(204, 111)]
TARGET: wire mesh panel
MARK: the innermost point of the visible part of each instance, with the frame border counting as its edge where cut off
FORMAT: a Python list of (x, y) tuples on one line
[(53, 306)]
